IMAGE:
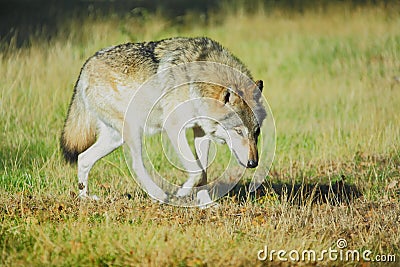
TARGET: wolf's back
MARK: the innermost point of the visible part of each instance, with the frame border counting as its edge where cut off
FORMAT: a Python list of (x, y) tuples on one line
[(79, 131)]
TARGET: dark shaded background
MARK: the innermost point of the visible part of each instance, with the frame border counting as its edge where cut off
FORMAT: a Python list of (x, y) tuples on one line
[(22, 19)]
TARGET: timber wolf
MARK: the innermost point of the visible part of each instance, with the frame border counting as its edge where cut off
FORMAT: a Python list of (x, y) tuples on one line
[(108, 80)]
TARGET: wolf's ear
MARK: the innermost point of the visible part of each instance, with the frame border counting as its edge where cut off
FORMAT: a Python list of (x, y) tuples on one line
[(257, 93), (260, 85)]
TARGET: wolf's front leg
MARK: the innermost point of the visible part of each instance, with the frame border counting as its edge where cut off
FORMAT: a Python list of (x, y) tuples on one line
[(135, 145), (197, 173), (202, 146)]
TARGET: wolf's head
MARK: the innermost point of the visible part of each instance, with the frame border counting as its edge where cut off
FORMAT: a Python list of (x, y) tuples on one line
[(239, 116)]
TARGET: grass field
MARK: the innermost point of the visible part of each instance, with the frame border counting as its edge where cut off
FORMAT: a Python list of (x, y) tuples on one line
[(332, 79)]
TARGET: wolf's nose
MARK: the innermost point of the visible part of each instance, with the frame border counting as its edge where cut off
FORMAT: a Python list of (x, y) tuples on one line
[(252, 164)]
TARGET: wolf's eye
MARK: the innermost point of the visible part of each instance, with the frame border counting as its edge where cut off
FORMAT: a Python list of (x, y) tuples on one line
[(239, 132)]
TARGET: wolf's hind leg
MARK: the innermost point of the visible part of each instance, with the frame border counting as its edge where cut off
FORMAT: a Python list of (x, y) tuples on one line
[(108, 140)]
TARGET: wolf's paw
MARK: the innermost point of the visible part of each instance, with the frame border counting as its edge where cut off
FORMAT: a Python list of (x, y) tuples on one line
[(94, 197), (89, 197), (183, 191), (204, 200)]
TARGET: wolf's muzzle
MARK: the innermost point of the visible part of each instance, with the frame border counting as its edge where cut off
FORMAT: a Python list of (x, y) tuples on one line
[(252, 164)]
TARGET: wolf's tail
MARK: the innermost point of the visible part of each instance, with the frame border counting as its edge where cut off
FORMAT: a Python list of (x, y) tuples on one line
[(79, 131)]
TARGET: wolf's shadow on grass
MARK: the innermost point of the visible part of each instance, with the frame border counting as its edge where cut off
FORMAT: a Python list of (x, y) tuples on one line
[(334, 193)]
